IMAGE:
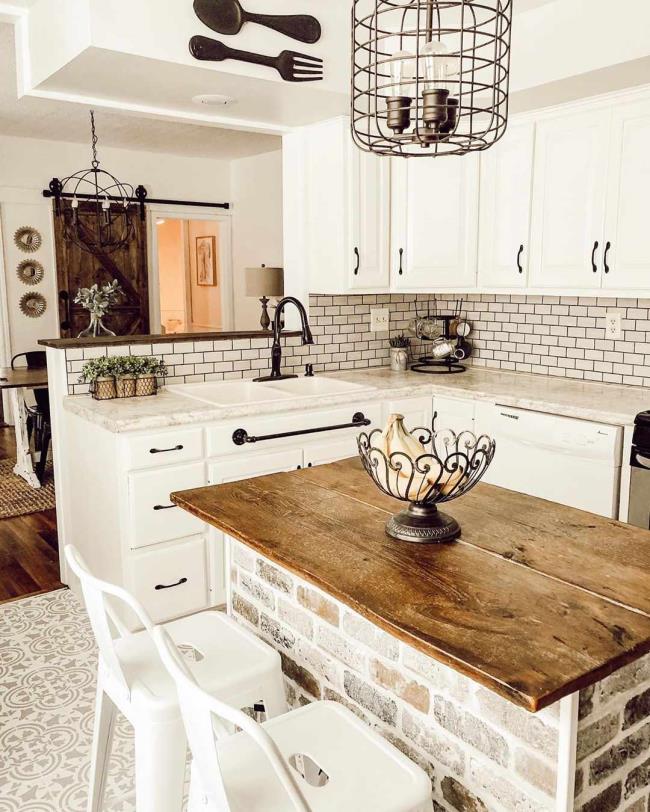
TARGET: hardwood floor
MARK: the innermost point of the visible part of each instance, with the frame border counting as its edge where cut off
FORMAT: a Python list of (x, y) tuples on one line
[(29, 558)]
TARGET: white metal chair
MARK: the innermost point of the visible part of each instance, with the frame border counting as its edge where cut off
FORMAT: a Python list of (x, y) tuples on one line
[(319, 758), (226, 660)]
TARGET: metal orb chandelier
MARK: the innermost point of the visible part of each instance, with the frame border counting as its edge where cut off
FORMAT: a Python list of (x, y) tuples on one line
[(104, 225), (429, 77)]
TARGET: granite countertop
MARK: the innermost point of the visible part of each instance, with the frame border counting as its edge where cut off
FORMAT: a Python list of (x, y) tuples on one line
[(535, 600), (605, 403)]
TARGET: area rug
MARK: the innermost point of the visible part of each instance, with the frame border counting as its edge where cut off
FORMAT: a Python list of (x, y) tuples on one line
[(48, 666), (17, 498)]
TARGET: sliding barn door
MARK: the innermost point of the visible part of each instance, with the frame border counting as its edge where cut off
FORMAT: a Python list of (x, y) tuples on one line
[(77, 268)]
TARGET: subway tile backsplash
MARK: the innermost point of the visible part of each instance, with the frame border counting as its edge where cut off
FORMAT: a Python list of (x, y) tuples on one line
[(547, 335)]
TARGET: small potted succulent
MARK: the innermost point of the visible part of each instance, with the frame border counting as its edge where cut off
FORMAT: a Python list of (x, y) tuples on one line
[(99, 374), (399, 352), (126, 370), (148, 370)]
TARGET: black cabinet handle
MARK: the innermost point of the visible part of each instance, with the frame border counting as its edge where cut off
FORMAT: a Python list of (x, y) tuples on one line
[(594, 267), (401, 254), (519, 253), (165, 450), (241, 436), (171, 586), (163, 507), (607, 247), (356, 254)]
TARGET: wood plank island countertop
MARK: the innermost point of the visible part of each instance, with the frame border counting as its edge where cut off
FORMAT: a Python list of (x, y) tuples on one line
[(535, 601)]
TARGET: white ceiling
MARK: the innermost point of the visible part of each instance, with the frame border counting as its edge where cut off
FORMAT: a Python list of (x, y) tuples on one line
[(65, 121)]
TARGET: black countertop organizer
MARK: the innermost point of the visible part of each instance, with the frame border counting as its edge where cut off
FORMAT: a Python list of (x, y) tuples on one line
[(427, 364)]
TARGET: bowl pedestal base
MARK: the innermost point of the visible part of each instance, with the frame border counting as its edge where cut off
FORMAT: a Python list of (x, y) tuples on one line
[(423, 524)]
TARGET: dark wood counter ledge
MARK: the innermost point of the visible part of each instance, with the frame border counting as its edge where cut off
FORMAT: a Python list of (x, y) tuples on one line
[(167, 338), (522, 605)]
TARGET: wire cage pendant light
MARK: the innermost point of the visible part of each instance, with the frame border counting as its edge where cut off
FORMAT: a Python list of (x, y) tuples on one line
[(104, 225), (429, 77)]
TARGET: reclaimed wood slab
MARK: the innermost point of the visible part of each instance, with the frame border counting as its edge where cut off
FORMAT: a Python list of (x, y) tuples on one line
[(494, 606)]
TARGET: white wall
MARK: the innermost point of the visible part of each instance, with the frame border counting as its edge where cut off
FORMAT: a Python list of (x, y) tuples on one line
[(26, 168), (256, 190)]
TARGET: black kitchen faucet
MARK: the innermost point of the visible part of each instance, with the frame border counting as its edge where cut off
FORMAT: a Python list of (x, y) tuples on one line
[(276, 351)]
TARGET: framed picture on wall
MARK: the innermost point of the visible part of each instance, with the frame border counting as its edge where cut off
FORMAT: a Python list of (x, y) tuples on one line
[(206, 261)]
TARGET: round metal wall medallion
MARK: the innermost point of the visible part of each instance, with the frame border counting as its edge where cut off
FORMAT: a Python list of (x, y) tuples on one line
[(30, 272), (28, 239), (33, 305)]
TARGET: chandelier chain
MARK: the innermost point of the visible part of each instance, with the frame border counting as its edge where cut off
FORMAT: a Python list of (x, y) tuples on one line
[(95, 161)]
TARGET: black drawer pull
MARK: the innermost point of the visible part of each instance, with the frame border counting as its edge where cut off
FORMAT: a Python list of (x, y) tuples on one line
[(358, 258), (241, 436), (165, 450), (171, 586), (519, 253), (164, 507)]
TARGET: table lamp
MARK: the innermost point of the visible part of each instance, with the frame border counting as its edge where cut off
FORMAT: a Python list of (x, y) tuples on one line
[(265, 282)]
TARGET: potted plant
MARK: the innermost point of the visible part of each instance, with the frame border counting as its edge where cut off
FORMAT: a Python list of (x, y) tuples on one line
[(126, 371), (98, 301), (148, 369), (399, 353), (99, 373)]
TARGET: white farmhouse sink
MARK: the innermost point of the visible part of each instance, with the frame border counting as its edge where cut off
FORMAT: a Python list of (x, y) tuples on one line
[(229, 393), (306, 387)]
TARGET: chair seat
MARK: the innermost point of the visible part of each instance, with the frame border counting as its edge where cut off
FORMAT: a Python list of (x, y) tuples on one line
[(226, 660), (365, 771)]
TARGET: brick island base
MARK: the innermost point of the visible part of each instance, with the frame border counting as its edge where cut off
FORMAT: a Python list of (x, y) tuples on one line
[(483, 753)]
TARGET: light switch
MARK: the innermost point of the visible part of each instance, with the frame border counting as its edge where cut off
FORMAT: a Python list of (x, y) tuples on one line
[(379, 320)]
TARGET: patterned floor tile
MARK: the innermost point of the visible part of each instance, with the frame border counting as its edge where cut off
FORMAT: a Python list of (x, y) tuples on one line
[(48, 667)]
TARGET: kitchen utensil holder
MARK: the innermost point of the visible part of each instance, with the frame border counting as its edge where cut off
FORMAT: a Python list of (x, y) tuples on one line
[(450, 467)]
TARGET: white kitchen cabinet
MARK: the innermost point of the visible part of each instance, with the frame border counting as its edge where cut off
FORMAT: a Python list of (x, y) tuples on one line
[(370, 217), (626, 253), (452, 413), (332, 451), (569, 193), (505, 209), (417, 411), (338, 200), (259, 463), (434, 223)]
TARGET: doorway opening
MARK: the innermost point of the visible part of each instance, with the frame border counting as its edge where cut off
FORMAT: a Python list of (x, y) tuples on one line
[(193, 275)]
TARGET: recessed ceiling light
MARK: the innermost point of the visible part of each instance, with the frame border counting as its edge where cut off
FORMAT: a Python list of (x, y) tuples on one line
[(213, 100)]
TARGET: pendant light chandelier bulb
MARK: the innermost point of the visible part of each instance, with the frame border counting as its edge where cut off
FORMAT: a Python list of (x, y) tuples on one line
[(429, 77)]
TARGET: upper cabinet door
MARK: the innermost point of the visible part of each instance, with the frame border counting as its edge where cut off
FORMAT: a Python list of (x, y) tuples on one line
[(435, 223), (626, 254), (569, 189), (505, 201), (370, 215)]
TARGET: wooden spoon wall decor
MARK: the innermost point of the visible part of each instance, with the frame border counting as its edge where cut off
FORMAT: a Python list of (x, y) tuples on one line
[(228, 17)]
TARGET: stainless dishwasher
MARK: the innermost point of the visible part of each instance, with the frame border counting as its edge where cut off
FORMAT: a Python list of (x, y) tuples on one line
[(639, 507)]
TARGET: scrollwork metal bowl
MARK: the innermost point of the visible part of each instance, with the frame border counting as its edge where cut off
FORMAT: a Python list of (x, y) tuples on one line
[(450, 467)]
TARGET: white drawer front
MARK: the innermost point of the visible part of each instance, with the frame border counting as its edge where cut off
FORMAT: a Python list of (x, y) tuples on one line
[(220, 437), (173, 580), (152, 520), (164, 448)]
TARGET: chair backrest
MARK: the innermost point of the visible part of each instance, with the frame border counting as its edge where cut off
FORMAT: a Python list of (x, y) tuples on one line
[(36, 359), (101, 615), (203, 716)]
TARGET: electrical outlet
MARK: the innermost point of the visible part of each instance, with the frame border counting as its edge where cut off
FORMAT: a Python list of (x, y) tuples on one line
[(379, 320), (613, 328)]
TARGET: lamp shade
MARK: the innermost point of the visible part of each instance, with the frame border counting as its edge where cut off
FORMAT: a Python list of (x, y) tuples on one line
[(264, 281)]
